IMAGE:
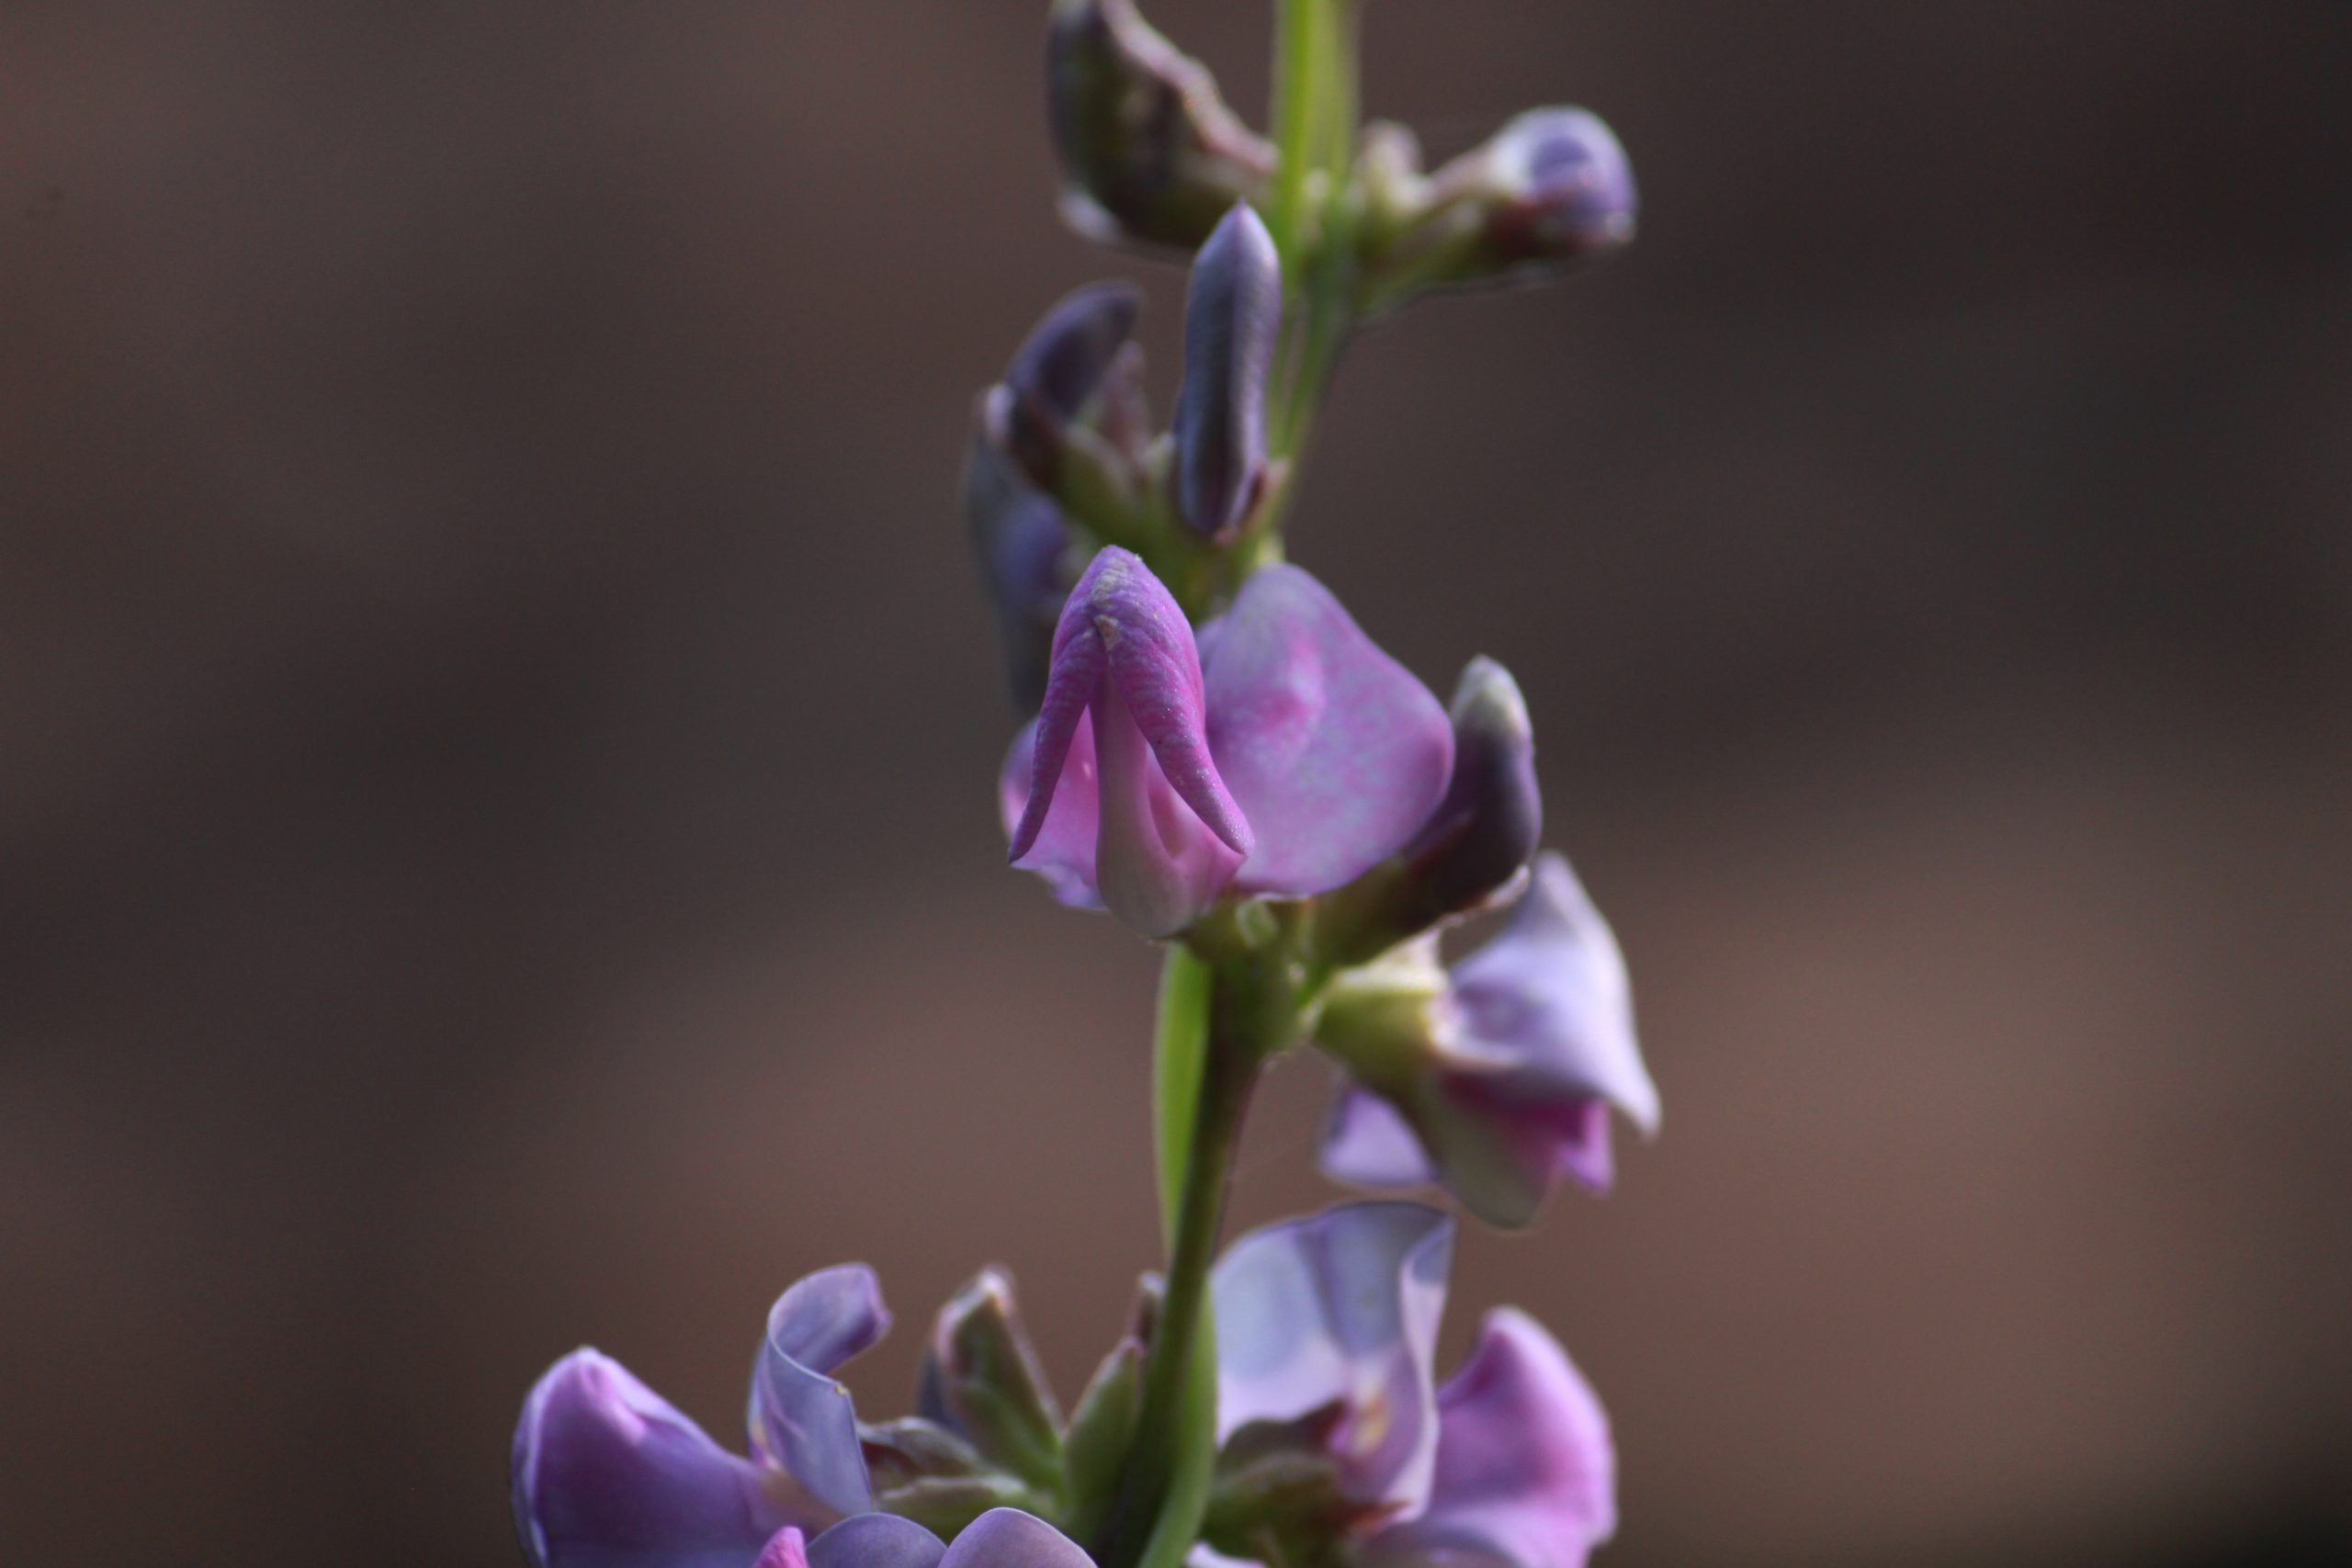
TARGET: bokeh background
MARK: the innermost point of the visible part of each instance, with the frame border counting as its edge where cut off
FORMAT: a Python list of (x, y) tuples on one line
[(496, 735)]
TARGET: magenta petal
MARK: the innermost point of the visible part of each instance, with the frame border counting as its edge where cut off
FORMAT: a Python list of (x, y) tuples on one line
[(1335, 752), (1072, 677), (1158, 867), (608, 1474), (786, 1549), (1062, 850), (800, 1417), (1526, 1474), (1007, 1538), (1342, 1307), (1156, 671)]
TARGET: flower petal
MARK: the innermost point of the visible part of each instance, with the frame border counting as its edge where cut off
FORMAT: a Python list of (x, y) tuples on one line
[(1007, 1538), (1551, 989), (1019, 536), (1074, 673), (1062, 850), (800, 1417), (1367, 1143), (609, 1474), (877, 1541), (1157, 866), (1072, 347), (1334, 751), (1340, 1307), (786, 1549), (1526, 1474), (1156, 668)]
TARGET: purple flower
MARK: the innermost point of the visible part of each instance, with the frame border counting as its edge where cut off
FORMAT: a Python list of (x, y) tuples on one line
[(1509, 1465), (608, 1474), (1282, 753), (1496, 1080), (1339, 1310)]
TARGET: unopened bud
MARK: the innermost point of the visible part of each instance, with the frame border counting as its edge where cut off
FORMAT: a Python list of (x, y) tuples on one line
[(1565, 190), (1149, 151), (1102, 1431), (1233, 315), (981, 1377), (1020, 538), (1473, 851), (1476, 845), (1549, 190), (1061, 368)]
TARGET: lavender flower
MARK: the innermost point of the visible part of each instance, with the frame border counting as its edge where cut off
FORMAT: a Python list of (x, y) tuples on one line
[(608, 1474), (1495, 1080), (1283, 754), (1509, 1465)]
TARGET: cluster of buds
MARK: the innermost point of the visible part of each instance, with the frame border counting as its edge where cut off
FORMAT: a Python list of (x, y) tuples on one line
[(1215, 753), (1151, 156)]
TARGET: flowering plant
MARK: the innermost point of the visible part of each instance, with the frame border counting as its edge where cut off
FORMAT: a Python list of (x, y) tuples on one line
[(1218, 755)]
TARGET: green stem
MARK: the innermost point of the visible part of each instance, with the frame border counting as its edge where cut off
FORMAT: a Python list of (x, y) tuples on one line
[(1144, 1525), (1297, 59)]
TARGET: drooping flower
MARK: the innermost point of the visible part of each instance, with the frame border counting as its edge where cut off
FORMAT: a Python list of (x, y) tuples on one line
[(608, 1474), (1495, 1080), (1282, 753), (1327, 1321)]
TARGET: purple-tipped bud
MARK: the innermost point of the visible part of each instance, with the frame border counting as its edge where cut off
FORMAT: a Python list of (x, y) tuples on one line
[(1478, 841), (981, 1377), (1233, 314), (1569, 191), (1473, 851), (1059, 370), (1149, 152), (1549, 190)]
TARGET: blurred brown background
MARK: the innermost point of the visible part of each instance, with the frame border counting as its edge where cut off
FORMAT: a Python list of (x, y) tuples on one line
[(496, 845)]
